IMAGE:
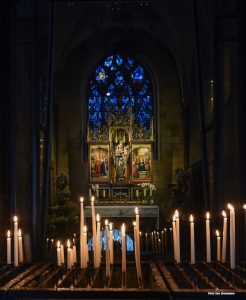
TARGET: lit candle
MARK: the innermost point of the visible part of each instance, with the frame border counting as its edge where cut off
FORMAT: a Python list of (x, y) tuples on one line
[(85, 249), (135, 249), (107, 251), (232, 236), (62, 254), (162, 240), (74, 252), (16, 241), (178, 235), (152, 241), (111, 245), (123, 250), (174, 239), (137, 241), (192, 241), (98, 241), (218, 244), (146, 242), (94, 230), (20, 247), (165, 231), (208, 245), (58, 254), (69, 263), (8, 247), (82, 221), (224, 237)]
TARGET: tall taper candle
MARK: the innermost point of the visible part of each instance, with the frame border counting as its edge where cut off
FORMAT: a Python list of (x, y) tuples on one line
[(85, 248), (20, 246), (208, 237), (224, 237), (8, 247), (244, 207), (135, 249), (192, 241), (16, 262), (74, 252), (82, 221), (218, 244), (146, 242), (107, 251), (137, 241), (165, 231), (174, 239), (232, 236), (123, 250), (178, 235), (69, 263), (62, 254), (111, 244), (94, 231), (98, 241), (58, 253)]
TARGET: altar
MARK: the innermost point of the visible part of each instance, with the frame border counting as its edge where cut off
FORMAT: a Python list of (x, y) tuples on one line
[(125, 211)]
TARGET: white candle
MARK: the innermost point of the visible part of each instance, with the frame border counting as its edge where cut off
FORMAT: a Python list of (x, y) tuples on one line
[(144, 192), (123, 250), (232, 236), (174, 239), (16, 263), (62, 254), (192, 241), (218, 244), (224, 237), (146, 242), (20, 247), (104, 193), (135, 249), (107, 251), (8, 247), (165, 231), (111, 243), (152, 241), (98, 241), (137, 241), (69, 263), (178, 236), (58, 254), (94, 231), (137, 193), (74, 254), (208, 244), (82, 221), (85, 249)]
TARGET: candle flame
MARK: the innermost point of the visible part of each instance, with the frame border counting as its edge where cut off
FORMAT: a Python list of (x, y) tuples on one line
[(176, 213), (146, 233), (123, 229), (217, 232), (85, 229), (140, 233), (92, 198), (19, 232), (81, 199), (110, 226), (170, 229), (134, 224), (15, 218), (174, 218), (208, 215), (8, 233), (58, 244), (224, 214), (165, 229), (136, 210), (191, 219), (98, 218), (68, 243), (230, 207), (244, 206), (106, 222)]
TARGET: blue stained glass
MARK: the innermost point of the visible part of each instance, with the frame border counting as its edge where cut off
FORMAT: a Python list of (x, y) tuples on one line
[(108, 61), (138, 74), (113, 68), (129, 63), (119, 80), (118, 60)]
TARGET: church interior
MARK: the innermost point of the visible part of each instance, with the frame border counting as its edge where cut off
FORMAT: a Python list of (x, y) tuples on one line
[(123, 166)]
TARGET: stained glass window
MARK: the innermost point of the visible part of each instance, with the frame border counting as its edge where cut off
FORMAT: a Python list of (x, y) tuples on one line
[(120, 93)]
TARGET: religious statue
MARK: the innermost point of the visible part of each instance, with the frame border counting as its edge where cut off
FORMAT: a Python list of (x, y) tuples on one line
[(120, 158)]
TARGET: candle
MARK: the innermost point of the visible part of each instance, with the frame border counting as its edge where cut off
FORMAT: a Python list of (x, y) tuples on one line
[(135, 249), (137, 241), (165, 231), (85, 248), (82, 221), (224, 237), (62, 254), (123, 250), (150, 192), (244, 207), (97, 193), (16, 241), (89, 192), (144, 192), (232, 236), (146, 242), (74, 253), (20, 247), (111, 245), (192, 241), (218, 244), (94, 230), (104, 193), (208, 245), (107, 251), (174, 239), (58, 254), (69, 263), (98, 241), (137, 193), (152, 241), (178, 235), (8, 247)]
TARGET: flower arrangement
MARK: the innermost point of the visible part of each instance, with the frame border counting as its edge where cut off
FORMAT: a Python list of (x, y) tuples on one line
[(148, 186)]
